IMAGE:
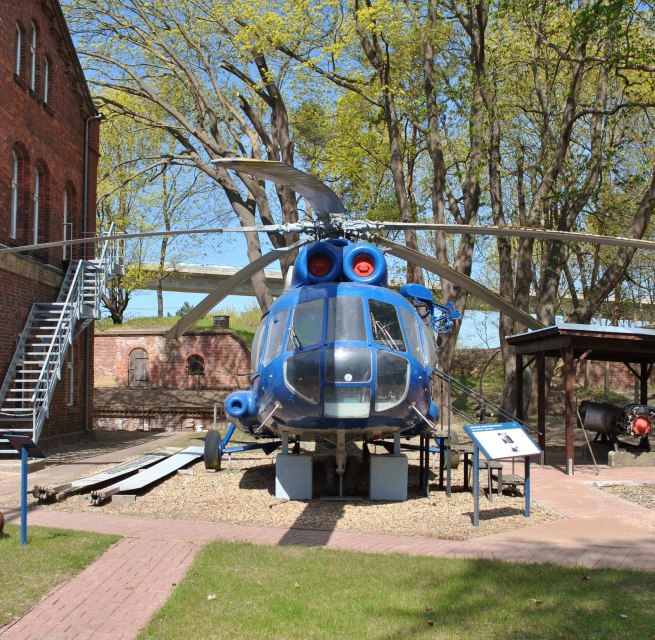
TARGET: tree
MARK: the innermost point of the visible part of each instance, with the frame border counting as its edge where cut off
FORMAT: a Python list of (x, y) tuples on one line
[(136, 195), (185, 70)]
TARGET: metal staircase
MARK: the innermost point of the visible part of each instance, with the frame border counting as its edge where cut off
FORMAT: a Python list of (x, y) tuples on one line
[(51, 327)]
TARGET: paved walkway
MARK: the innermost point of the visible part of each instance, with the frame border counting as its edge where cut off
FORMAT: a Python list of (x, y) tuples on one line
[(116, 596)]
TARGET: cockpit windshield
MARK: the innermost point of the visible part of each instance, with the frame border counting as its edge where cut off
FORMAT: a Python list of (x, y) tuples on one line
[(346, 319), (385, 325), (307, 325)]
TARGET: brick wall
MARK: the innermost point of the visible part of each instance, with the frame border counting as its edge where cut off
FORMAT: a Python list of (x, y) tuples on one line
[(226, 359), (48, 136)]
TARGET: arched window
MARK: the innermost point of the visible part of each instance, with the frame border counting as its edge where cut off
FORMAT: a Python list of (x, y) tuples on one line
[(69, 217), (18, 51), (33, 39), (15, 172), (36, 199), (46, 79), (138, 372), (41, 203), (195, 365)]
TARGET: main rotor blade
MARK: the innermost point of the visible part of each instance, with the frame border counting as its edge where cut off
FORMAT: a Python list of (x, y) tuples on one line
[(521, 232), (323, 200), (140, 234), (226, 288), (461, 280)]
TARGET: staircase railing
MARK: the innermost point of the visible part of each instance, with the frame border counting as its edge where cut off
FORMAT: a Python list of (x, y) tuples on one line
[(53, 363), (79, 299), (482, 402)]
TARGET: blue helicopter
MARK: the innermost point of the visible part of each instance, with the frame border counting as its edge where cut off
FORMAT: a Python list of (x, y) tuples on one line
[(339, 357)]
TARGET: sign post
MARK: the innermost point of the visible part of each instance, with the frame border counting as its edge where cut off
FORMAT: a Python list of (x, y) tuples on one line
[(503, 440), (27, 448)]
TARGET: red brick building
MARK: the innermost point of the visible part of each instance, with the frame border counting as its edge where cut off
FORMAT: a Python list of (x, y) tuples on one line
[(48, 163), (145, 381)]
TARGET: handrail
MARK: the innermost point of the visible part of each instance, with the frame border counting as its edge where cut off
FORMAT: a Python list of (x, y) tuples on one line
[(71, 312), (480, 399), (20, 346), (63, 333)]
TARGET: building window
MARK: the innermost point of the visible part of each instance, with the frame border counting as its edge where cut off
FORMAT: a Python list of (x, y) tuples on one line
[(33, 58), (70, 390), (46, 79), (18, 52), (69, 216), (138, 371), (66, 226), (15, 172), (37, 202), (195, 365)]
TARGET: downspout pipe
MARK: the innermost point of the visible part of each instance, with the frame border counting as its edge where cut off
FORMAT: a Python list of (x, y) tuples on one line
[(85, 229)]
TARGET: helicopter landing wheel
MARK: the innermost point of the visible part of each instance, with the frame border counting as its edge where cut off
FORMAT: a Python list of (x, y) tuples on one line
[(213, 453)]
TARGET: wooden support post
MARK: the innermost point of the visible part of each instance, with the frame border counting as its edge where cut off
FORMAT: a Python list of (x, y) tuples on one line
[(541, 400), (569, 401), (643, 383), (518, 374)]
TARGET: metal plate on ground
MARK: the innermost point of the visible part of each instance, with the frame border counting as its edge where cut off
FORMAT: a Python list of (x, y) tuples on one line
[(126, 468), (149, 476)]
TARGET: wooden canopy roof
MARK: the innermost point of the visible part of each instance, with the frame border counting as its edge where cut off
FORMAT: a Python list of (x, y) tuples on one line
[(614, 344)]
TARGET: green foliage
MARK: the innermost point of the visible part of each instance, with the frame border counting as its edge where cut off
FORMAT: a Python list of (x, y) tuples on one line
[(51, 557), (294, 592), (184, 309)]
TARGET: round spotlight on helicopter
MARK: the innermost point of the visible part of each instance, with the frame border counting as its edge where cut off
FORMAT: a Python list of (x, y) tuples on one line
[(364, 264)]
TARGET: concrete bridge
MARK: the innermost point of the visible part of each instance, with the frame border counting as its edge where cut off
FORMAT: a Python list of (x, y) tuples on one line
[(195, 278)]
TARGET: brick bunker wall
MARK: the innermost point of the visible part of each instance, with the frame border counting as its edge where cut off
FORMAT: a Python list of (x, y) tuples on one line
[(226, 360)]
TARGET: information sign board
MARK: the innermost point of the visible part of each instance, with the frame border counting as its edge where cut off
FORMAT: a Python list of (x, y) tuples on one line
[(502, 440), (499, 441)]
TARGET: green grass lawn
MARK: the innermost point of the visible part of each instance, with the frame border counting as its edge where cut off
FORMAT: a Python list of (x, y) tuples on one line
[(51, 557), (292, 592)]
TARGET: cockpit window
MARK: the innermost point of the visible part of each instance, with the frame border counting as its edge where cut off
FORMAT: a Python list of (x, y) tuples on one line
[(257, 344), (346, 319), (392, 380), (276, 331), (307, 325), (385, 325), (411, 331), (430, 346)]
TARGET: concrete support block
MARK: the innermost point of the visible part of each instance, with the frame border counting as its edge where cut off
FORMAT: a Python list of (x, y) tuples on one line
[(631, 459), (293, 477), (388, 477)]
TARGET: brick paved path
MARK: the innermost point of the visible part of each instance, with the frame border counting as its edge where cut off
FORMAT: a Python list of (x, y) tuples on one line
[(115, 597), (112, 598)]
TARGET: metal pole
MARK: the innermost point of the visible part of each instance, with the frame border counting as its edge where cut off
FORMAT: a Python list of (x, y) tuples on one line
[(476, 485), (526, 486), (23, 497)]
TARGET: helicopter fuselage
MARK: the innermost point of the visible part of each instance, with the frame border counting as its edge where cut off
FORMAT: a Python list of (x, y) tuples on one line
[(339, 355)]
